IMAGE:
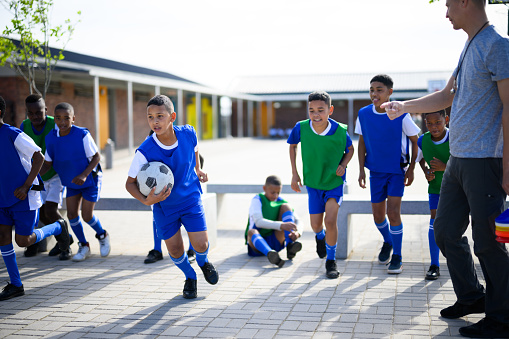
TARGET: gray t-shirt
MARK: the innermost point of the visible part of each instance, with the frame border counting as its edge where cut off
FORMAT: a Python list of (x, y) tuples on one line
[(476, 113)]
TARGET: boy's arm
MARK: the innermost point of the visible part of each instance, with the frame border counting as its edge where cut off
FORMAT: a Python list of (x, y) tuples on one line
[(362, 160), (429, 174), (344, 162), (46, 166), (202, 176), (409, 174), (37, 161), (296, 182), (132, 187), (80, 179)]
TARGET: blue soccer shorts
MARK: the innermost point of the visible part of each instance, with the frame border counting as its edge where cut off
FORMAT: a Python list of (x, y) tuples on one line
[(433, 201), (192, 217), (273, 243), (90, 193), (383, 185), (24, 222), (318, 198)]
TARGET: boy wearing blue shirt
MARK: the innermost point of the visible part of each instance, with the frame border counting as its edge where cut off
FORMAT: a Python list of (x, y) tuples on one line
[(177, 147), (326, 151), (272, 225), (75, 157), (384, 149), (432, 157), (20, 200)]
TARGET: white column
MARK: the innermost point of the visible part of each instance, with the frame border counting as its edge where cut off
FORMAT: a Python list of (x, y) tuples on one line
[(259, 119), (240, 118), (157, 90), (180, 107), (250, 119), (351, 123), (96, 111), (130, 122), (198, 115), (215, 120)]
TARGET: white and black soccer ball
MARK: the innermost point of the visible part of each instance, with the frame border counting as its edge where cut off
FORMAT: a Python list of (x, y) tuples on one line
[(154, 174)]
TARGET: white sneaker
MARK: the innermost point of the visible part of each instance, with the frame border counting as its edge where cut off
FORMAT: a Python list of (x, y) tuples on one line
[(83, 252), (104, 243)]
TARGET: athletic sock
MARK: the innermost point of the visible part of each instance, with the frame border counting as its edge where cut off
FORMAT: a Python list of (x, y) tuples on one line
[(383, 227), (9, 257), (77, 228), (48, 230), (331, 251), (288, 217), (397, 238), (320, 235), (96, 225), (434, 251), (201, 257), (157, 240), (185, 266), (260, 244)]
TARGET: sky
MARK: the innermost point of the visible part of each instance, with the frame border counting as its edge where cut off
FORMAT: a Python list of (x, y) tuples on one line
[(212, 42)]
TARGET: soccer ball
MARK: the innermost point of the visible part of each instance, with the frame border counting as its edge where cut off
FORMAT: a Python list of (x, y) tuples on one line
[(154, 174)]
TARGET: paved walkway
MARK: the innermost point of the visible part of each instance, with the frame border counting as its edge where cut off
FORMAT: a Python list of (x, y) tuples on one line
[(120, 296)]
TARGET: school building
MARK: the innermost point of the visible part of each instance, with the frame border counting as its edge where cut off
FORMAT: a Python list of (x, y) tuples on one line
[(110, 98)]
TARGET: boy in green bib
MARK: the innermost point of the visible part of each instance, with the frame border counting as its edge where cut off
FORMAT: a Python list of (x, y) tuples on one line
[(272, 225), (326, 151), (433, 156)]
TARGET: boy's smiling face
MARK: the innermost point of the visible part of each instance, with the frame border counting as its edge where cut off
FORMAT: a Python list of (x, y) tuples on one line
[(64, 120), (379, 93), (159, 119), (436, 125), (319, 112)]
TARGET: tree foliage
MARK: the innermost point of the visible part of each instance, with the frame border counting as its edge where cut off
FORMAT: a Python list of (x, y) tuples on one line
[(25, 43)]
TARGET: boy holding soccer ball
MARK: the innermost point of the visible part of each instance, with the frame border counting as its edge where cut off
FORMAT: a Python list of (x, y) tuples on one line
[(177, 147)]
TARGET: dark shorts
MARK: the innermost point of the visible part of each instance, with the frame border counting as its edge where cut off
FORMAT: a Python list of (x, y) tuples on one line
[(318, 198), (24, 222), (383, 185), (273, 243), (433, 201), (192, 217)]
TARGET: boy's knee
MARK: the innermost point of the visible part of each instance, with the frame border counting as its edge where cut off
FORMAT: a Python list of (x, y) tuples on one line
[(285, 208), (23, 240), (5, 236), (252, 232)]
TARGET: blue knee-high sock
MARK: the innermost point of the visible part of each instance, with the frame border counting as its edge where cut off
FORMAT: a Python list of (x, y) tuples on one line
[(434, 251), (397, 238), (201, 257), (48, 230), (383, 227), (157, 240), (9, 257), (77, 228), (288, 217), (96, 225), (320, 235), (185, 266), (260, 244), (331, 251)]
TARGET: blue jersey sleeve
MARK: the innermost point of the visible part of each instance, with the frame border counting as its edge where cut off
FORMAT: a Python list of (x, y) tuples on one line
[(419, 142), (348, 143), (294, 137)]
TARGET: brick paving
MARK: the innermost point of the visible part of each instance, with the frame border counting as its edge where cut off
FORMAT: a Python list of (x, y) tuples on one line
[(121, 297)]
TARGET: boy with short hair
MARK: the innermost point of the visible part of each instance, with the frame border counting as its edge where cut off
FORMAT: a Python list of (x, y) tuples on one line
[(19, 201), (434, 152), (384, 149), (75, 157), (37, 126), (326, 151), (272, 225), (177, 147)]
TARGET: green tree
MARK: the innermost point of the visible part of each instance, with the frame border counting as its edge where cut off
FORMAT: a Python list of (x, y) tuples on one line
[(25, 43)]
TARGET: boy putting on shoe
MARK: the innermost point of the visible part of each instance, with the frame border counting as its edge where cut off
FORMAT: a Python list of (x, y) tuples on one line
[(38, 126), (384, 149), (177, 147), (271, 226), (326, 151), (432, 157), (74, 155), (20, 200)]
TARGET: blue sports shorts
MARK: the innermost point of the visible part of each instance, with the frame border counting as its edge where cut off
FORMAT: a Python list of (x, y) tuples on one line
[(271, 241), (383, 185), (90, 193), (24, 222), (192, 217), (433, 201), (318, 198)]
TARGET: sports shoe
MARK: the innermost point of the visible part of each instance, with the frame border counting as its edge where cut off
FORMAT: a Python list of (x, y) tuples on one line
[(63, 240), (191, 255), (65, 255), (104, 243), (486, 328), (56, 250), (395, 266), (385, 254), (210, 273), (190, 290), (32, 250), (331, 269), (459, 310), (292, 249), (11, 291), (274, 258), (83, 252), (153, 256), (433, 273), (320, 248)]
